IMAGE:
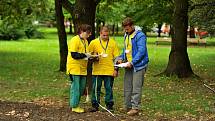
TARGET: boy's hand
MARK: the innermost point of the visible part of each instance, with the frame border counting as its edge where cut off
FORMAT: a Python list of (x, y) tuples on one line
[(115, 73)]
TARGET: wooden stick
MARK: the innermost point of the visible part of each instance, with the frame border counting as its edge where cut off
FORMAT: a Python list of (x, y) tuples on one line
[(209, 88)]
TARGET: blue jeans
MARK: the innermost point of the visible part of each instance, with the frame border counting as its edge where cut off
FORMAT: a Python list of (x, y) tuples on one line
[(96, 90)]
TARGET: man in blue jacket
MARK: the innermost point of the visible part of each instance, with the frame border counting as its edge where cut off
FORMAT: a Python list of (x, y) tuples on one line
[(135, 59)]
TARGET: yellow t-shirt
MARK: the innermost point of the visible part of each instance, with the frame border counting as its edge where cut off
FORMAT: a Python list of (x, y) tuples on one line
[(105, 65), (77, 66), (128, 45)]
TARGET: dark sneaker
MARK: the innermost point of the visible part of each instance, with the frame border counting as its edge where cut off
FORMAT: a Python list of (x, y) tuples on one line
[(93, 109), (110, 108), (133, 112)]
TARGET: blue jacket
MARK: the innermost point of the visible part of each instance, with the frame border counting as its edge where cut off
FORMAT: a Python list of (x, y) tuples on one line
[(139, 51)]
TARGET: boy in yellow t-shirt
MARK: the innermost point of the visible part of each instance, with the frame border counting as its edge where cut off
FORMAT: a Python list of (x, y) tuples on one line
[(77, 65), (103, 69)]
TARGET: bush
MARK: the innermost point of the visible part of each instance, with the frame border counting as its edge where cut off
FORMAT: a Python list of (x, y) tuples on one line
[(33, 33), (10, 35), (15, 33)]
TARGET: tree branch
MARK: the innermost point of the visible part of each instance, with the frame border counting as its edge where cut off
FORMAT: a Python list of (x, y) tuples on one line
[(68, 6), (209, 88)]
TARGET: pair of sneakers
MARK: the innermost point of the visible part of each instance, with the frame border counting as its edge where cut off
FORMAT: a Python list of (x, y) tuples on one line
[(78, 110)]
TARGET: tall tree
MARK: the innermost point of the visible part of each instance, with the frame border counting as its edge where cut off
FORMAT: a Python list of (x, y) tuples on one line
[(83, 12), (179, 63), (61, 34)]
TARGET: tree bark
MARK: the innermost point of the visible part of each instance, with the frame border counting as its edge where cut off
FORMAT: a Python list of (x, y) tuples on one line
[(62, 35), (84, 13), (117, 29), (179, 63), (113, 29), (70, 26), (159, 29), (170, 31), (192, 32), (98, 25)]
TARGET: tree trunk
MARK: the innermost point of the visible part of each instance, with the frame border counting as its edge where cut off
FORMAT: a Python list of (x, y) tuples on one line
[(70, 26), (159, 30), (98, 25), (84, 13), (61, 35), (113, 29), (192, 32), (170, 31), (179, 63), (117, 29)]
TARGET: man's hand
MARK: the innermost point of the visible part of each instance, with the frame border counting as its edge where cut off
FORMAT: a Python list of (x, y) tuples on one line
[(119, 62), (129, 65)]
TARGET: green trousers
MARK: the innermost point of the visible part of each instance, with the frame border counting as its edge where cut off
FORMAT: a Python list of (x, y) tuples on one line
[(78, 83)]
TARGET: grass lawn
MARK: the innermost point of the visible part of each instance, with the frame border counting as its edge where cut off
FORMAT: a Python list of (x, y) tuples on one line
[(29, 72)]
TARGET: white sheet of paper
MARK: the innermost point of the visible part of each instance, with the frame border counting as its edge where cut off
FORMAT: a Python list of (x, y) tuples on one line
[(122, 65)]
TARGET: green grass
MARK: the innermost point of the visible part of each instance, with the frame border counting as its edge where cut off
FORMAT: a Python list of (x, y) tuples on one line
[(29, 71)]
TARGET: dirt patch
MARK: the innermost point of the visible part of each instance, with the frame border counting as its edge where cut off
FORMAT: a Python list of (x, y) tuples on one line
[(49, 110), (19, 111)]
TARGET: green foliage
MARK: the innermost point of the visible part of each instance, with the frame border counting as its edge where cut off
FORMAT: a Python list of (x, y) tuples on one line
[(151, 11), (111, 12), (9, 32), (145, 12), (18, 16), (203, 15)]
